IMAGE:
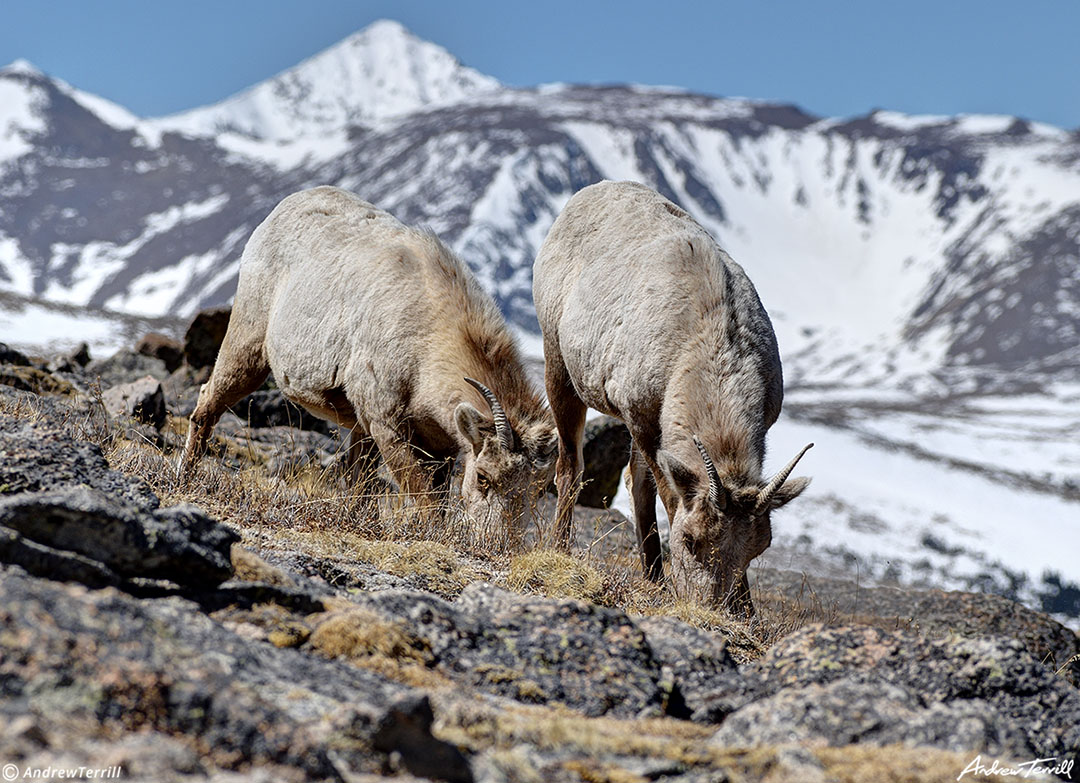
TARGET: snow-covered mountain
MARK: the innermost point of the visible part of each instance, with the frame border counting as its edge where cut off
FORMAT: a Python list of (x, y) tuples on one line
[(885, 246), (907, 262), (382, 71)]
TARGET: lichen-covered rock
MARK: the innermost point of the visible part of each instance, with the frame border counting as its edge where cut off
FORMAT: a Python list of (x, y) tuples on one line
[(180, 544), (103, 658), (860, 684), (42, 560), (534, 650), (203, 337), (605, 452), (588, 657), (934, 613), (697, 662), (125, 367), (39, 455), (160, 346), (64, 511), (142, 400)]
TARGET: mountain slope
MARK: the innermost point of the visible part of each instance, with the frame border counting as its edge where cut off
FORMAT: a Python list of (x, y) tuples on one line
[(885, 247)]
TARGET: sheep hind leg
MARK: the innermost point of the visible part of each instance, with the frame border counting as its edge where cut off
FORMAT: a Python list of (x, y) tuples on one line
[(236, 374)]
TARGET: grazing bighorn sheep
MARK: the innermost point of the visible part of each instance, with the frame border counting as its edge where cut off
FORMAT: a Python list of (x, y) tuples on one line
[(382, 329), (645, 318)]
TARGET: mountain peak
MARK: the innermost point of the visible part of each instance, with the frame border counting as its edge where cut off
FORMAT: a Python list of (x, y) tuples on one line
[(380, 71), (21, 67), (384, 28)]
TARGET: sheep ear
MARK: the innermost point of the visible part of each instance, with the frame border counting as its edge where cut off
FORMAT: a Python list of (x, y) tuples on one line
[(468, 420), (788, 491), (677, 474), (546, 450)]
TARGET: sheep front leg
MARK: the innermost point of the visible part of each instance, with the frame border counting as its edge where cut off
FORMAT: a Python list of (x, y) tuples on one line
[(639, 483), (569, 413), (362, 460), (231, 380), (400, 457)]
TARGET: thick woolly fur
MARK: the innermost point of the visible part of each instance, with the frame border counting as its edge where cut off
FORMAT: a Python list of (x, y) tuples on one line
[(375, 325), (645, 318)]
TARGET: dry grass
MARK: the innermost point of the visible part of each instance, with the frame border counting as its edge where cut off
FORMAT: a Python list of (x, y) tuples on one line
[(310, 510), (384, 646), (592, 748), (440, 568), (555, 574)]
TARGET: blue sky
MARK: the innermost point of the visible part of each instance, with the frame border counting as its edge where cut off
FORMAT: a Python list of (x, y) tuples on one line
[(831, 58)]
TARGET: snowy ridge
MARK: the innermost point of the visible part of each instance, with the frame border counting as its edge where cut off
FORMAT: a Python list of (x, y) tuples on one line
[(382, 71)]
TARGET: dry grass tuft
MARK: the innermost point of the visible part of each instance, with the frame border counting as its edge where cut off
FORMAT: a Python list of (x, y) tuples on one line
[(440, 568), (249, 567), (387, 647), (360, 633), (556, 575)]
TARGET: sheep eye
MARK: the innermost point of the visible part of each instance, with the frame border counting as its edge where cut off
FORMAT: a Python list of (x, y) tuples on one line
[(483, 482)]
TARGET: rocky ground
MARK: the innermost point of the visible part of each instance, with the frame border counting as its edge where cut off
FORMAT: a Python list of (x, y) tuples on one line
[(259, 622)]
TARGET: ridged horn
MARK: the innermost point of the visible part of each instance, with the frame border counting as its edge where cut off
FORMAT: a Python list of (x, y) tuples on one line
[(766, 494), (498, 415), (717, 495)]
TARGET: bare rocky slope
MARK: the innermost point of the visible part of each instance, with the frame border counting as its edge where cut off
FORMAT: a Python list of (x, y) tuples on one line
[(141, 632)]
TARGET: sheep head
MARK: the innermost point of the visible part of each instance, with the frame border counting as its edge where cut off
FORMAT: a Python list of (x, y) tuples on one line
[(717, 529), (503, 471)]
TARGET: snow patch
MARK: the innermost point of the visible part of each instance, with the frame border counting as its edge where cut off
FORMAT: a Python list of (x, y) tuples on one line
[(16, 274), (20, 117), (99, 260)]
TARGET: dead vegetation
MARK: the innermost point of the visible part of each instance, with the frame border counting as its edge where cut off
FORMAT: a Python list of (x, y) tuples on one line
[(312, 510), (597, 749)]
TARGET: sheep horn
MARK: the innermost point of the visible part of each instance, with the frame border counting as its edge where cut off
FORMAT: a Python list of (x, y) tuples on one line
[(498, 415), (717, 495), (767, 492)]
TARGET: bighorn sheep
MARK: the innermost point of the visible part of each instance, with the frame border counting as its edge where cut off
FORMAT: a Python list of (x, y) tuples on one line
[(382, 329), (645, 318)]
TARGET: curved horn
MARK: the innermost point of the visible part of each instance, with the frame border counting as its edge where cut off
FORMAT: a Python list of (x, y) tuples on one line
[(767, 492), (716, 490), (498, 415)]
